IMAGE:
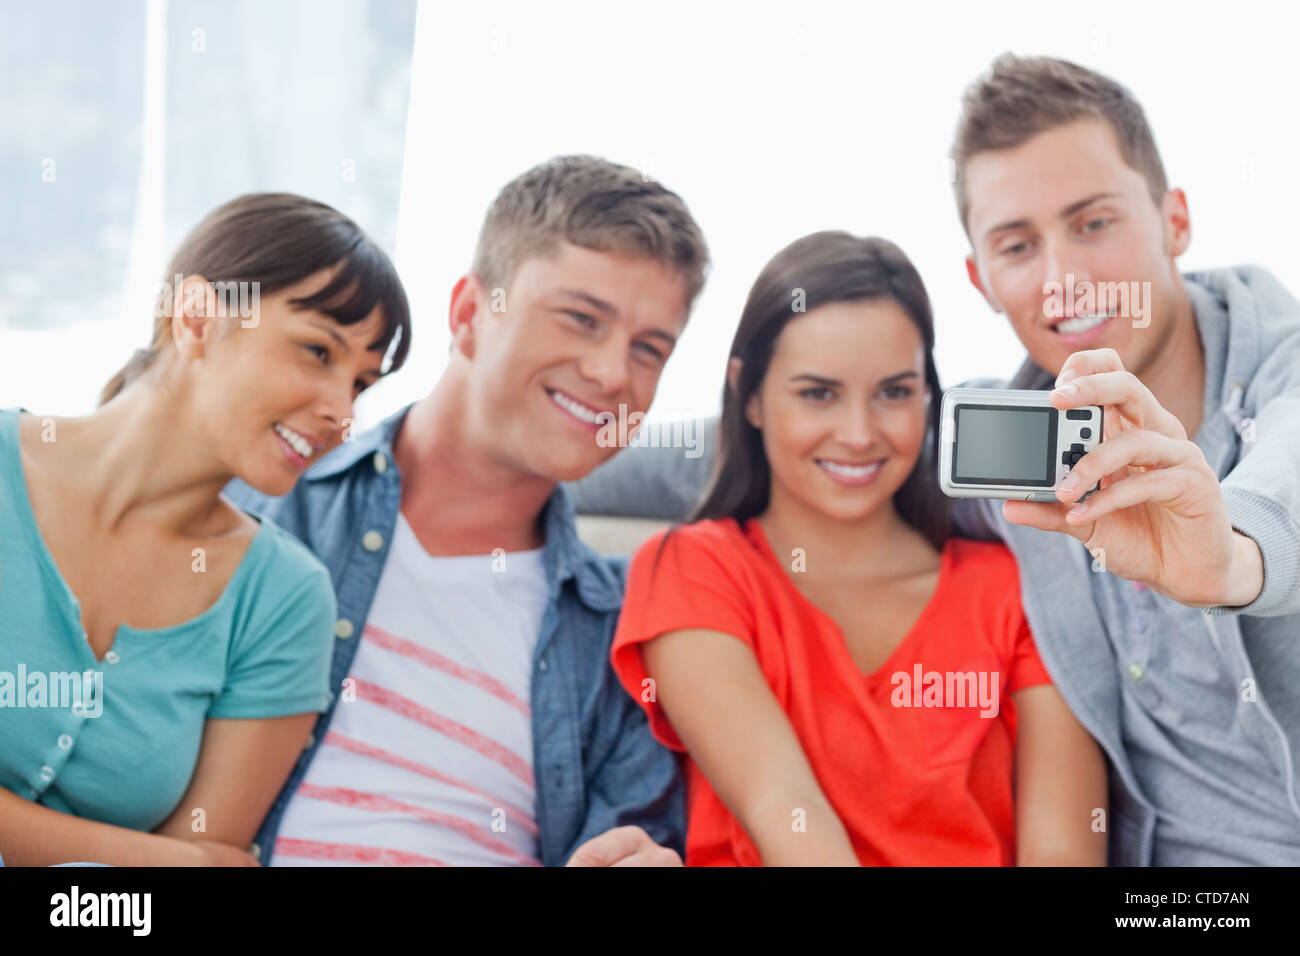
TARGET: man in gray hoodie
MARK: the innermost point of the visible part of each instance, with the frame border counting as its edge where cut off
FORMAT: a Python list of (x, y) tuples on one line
[(1168, 611)]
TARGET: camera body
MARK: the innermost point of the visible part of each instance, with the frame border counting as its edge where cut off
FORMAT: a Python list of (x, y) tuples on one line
[(1007, 443)]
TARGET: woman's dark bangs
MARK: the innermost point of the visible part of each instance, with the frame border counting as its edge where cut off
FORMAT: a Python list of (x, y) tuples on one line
[(367, 279)]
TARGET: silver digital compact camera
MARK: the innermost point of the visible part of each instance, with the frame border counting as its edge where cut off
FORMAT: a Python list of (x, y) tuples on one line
[(1005, 443)]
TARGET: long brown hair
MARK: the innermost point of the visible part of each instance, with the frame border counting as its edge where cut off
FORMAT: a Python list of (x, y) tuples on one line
[(828, 267), (276, 240)]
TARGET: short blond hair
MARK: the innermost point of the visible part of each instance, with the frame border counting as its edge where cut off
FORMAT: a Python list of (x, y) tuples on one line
[(592, 203)]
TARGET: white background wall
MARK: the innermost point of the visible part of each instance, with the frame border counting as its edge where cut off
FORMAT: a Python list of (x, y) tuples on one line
[(772, 121)]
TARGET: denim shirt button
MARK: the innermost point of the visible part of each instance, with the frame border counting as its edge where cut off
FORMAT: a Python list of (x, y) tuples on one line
[(343, 628), (372, 541), (311, 740), (255, 852), (541, 665), (381, 462)]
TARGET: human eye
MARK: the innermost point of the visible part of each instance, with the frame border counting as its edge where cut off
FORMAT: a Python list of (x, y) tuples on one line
[(650, 351), (897, 392), (320, 351), (817, 393)]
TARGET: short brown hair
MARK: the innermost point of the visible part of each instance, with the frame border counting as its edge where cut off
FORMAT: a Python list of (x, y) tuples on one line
[(593, 203), (1021, 97)]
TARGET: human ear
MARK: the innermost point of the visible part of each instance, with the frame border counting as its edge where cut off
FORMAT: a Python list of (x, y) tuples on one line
[(973, 273), (193, 315), (1177, 222), (465, 298)]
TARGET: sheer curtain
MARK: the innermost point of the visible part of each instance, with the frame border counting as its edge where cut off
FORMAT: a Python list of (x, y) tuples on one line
[(126, 122), (771, 119)]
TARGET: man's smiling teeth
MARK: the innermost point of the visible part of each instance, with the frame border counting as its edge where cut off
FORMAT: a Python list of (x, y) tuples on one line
[(299, 444), (577, 409), (849, 471), (1082, 323)]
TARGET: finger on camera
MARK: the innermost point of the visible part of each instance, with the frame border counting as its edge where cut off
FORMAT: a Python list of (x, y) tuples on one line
[(1089, 362), (1137, 447), (1123, 393), (1150, 487), (1044, 515)]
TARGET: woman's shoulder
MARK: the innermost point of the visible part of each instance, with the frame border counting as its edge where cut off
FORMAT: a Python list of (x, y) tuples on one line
[(983, 582), (699, 540), (10, 434), (284, 631), (281, 566), (981, 559), (715, 549)]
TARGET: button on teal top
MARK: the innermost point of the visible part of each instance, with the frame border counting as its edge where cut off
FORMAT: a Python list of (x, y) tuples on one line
[(124, 753)]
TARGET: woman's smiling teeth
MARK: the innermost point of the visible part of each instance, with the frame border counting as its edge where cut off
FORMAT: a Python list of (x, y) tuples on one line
[(577, 409), (299, 444), (851, 472)]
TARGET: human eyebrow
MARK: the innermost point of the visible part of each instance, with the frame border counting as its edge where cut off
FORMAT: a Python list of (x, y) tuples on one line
[(816, 379), (898, 377), (1007, 226), (1065, 213), (600, 305), (1074, 207), (327, 327)]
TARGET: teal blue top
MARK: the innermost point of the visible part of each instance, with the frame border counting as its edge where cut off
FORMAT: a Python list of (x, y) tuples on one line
[(117, 740)]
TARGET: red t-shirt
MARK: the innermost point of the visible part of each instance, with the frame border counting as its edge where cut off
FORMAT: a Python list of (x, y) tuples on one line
[(913, 784)]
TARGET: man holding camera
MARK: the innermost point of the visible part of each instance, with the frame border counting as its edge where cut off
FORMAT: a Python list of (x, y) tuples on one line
[(1167, 607)]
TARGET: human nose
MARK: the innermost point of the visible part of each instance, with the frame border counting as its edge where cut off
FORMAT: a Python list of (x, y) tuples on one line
[(605, 363), (855, 428)]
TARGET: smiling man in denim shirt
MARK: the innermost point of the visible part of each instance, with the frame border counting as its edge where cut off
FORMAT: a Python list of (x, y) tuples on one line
[(475, 717)]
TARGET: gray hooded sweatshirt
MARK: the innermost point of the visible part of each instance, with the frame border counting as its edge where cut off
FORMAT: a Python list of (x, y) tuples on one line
[(1198, 711)]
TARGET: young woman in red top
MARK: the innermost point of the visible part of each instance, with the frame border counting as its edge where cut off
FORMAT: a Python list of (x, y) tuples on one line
[(849, 683)]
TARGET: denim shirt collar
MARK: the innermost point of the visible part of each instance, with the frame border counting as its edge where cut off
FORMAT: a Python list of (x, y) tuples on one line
[(348, 454), (564, 554)]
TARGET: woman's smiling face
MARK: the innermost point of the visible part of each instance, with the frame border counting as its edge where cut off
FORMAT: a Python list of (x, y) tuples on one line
[(842, 407), (278, 394)]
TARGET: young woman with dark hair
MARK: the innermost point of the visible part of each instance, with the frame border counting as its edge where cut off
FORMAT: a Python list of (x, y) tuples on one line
[(850, 684), (189, 641)]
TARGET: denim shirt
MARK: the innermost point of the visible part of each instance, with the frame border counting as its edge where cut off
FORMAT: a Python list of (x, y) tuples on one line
[(595, 762)]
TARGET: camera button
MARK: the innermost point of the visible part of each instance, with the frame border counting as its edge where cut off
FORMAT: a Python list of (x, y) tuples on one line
[(1085, 433)]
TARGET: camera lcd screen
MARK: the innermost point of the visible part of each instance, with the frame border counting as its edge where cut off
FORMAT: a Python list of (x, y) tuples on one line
[(1002, 445)]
